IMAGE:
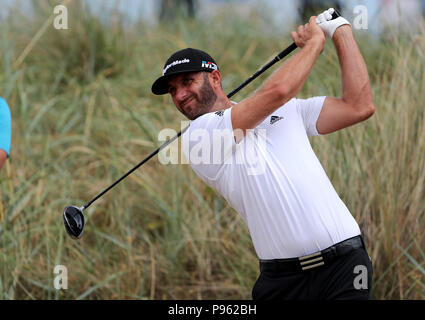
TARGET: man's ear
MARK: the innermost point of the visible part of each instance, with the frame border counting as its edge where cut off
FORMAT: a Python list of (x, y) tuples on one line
[(215, 78)]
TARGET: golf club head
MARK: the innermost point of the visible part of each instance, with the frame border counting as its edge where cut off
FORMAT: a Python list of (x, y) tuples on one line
[(73, 219)]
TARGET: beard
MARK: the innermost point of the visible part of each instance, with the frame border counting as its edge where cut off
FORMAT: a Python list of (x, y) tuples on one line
[(204, 101)]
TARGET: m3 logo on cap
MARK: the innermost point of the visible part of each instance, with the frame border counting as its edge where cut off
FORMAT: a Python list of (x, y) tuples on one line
[(209, 65)]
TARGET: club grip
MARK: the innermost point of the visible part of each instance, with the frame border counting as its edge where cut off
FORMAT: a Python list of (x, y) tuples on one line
[(336, 14)]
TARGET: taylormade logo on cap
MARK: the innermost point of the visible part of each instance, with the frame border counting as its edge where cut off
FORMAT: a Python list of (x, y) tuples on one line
[(174, 63)]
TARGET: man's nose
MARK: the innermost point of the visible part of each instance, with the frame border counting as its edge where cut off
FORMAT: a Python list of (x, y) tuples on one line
[(181, 94)]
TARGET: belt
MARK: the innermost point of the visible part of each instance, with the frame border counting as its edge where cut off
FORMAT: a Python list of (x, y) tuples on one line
[(313, 260)]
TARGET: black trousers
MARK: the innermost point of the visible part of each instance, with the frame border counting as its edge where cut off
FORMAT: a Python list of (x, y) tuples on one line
[(348, 277)]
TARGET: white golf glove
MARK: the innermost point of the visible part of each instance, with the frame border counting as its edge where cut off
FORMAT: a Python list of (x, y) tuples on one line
[(325, 22)]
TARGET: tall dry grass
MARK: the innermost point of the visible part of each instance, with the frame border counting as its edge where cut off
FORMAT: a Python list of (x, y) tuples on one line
[(83, 115)]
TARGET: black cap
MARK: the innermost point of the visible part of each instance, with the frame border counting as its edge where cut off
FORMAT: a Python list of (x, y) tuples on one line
[(186, 60)]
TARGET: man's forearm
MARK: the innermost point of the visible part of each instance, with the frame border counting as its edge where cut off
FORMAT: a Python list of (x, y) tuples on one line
[(355, 80)]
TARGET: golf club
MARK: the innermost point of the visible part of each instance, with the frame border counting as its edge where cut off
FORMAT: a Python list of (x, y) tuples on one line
[(73, 216)]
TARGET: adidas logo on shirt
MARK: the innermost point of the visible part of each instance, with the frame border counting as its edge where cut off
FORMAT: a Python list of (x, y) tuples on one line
[(274, 119), (220, 113)]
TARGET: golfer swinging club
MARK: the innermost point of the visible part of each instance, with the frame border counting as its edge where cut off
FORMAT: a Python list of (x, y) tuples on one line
[(308, 243)]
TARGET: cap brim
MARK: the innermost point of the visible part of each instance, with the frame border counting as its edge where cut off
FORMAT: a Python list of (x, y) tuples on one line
[(160, 86)]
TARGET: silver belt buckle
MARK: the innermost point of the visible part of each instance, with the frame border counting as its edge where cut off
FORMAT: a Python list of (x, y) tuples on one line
[(315, 258)]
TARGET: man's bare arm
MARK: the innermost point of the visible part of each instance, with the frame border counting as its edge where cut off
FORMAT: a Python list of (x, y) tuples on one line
[(356, 104), (285, 83)]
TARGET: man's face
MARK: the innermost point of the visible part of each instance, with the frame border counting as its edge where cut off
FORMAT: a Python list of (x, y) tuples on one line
[(192, 93)]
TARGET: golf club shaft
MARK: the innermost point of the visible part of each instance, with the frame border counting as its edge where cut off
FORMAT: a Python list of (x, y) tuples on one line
[(280, 56), (137, 166)]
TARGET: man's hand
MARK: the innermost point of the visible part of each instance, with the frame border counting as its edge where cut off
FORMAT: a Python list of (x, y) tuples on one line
[(309, 33), (325, 22)]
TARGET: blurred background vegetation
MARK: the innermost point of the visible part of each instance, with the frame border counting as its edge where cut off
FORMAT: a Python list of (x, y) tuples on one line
[(83, 115)]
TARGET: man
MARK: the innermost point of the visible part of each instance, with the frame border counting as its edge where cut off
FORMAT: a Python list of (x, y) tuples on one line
[(5, 131), (308, 243)]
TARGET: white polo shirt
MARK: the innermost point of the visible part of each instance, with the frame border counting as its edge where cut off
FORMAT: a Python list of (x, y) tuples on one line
[(273, 179)]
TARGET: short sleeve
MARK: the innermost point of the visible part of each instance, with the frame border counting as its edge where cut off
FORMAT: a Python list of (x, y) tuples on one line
[(209, 144), (5, 126), (310, 110)]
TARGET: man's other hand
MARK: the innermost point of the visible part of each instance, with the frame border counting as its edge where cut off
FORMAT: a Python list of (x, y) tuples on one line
[(325, 22)]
